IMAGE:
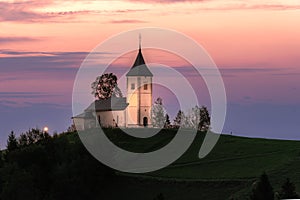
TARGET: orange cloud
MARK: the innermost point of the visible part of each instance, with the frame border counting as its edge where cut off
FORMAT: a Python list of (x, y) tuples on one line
[(17, 39), (166, 1), (127, 21)]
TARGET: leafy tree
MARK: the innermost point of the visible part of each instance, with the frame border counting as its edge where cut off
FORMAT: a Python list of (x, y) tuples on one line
[(23, 140), (12, 143), (33, 136), (20, 185), (105, 86), (186, 120), (44, 136), (158, 113), (52, 169), (192, 118), (167, 122), (204, 122), (288, 190), (262, 189), (71, 128), (1, 163), (195, 118), (178, 118)]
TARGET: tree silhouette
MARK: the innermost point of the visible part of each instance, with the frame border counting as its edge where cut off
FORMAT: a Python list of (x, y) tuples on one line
[(158, 113), (51, 169), (204, 119), (178, 119), (23, 140), (167, 122), (35, 135), (288, 190), (105, 86), (262, 189), (12, 143), (1, 164), (194, 117)]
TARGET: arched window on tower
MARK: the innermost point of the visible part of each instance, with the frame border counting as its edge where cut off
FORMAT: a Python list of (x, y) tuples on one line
[(132, 86)]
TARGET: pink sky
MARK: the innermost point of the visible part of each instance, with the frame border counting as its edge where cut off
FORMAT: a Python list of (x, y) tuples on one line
[(233, 32), (256, 43), (258, 34)]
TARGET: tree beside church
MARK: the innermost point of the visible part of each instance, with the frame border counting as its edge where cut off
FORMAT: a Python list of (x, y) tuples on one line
[(111, 109)]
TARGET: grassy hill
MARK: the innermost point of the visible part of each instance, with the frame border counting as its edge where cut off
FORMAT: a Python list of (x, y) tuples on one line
[(232, 166), (61, 168)]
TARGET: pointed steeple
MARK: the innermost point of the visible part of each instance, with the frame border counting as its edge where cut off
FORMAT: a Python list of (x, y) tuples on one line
[(139, 67), (140, 42)]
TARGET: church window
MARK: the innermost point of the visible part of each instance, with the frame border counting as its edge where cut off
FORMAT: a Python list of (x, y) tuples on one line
[(99, 120), (132, 86)]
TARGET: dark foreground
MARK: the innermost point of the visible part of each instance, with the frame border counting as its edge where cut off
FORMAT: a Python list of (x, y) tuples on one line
[(59, 167)]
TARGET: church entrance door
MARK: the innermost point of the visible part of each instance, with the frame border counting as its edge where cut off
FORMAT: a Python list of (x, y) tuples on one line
[(145, 121)]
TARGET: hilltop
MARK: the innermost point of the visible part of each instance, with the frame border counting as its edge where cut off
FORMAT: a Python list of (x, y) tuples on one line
[(61, 168), (234, 164)]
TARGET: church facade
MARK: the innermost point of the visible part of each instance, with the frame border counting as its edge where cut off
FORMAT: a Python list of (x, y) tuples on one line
[(131, 111)]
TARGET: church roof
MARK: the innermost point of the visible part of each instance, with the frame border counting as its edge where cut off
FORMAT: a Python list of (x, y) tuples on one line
[(139, 68), (110, 104), (84, 115)]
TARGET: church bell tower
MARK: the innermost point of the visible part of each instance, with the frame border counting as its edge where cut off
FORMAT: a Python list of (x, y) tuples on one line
[(139, 93)]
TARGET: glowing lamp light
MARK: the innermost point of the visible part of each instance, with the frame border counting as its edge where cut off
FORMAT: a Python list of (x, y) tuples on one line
[(46, 129)]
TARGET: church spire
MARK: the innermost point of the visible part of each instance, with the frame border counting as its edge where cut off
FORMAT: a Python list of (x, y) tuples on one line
[(140, 41), (139, 67)]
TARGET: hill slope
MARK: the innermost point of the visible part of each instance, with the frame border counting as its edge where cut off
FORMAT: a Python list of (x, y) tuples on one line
[(234, 159), (61, 168)]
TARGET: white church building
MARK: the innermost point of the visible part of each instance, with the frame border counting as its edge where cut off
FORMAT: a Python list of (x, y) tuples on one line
[(133, 111)]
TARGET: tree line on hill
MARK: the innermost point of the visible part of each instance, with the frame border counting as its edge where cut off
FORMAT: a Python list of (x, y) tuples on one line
[(263, 190), (37, 166), (197, 118)]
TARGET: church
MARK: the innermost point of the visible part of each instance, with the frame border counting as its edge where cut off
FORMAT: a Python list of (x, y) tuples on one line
[(133, 111)]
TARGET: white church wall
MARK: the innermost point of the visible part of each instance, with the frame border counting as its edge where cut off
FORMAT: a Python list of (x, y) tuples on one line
[(146, 99), (131, 115), (112, 118), (79, 123)]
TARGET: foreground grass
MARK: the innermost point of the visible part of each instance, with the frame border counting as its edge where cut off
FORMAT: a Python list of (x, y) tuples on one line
[(61, 168), (234, 164), (232, 158)]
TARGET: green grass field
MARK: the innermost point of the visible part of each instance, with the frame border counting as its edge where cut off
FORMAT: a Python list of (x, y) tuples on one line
[(60, 167), (229, 170)]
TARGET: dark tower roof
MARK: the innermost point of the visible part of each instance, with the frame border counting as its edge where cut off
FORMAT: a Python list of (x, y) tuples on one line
[(139, 68)]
